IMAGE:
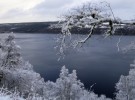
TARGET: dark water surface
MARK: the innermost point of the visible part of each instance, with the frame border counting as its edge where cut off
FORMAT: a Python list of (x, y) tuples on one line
[(97, 62)]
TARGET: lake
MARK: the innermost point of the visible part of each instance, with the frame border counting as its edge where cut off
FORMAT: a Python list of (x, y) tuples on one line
[(98, 61)]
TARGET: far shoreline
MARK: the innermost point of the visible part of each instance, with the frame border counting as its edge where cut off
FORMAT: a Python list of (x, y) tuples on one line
[(45, 28)]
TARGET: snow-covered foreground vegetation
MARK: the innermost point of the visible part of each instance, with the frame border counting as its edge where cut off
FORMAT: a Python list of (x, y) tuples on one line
[(18, 80)]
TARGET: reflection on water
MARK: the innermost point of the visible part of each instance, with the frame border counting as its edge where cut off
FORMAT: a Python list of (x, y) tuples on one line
[(97, 62)]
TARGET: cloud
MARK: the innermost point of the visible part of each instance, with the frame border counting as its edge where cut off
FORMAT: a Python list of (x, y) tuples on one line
[(6, 5), (11, 9), (51, 4), (123, 9), (50, 10)]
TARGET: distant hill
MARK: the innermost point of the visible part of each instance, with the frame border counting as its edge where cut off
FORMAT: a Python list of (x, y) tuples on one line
[(44, 27), (32, 27)]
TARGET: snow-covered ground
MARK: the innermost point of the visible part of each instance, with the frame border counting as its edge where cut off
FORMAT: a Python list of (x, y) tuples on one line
[(9, 98)]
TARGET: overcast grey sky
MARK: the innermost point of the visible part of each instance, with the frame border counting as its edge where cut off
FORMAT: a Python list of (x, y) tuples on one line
[(13, 11)]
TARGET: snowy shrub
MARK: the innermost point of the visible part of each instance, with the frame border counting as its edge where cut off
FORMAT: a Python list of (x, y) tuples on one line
[(126, 86), (15, 95), (24, 80), (8, 95), (68, 87), (92, 96), (17, 73)]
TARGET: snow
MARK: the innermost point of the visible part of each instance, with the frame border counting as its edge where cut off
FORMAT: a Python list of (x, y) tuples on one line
[(9, 98), (5, 98)]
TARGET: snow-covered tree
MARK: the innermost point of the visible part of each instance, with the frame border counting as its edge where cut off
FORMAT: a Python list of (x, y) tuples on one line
[(15, 72), (68, 87), (91, 16), (10, 57), (5, 94), (126, 86)]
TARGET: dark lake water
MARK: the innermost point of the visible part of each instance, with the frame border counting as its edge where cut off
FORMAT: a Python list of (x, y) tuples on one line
[(98, 61)]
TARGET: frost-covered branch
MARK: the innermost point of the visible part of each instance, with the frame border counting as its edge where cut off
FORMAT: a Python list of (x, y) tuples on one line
[(91, 16), (89, 35)]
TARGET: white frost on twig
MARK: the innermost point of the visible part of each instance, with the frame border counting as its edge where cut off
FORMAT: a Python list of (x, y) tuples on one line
[(118, 47)]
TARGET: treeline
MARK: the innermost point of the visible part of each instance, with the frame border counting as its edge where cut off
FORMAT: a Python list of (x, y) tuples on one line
[(45, 27)]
